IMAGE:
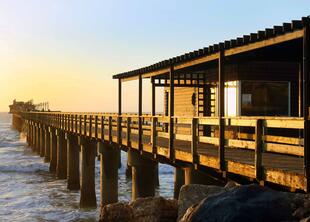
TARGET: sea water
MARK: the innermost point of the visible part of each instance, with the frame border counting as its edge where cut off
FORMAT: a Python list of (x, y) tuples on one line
[(29, 192)]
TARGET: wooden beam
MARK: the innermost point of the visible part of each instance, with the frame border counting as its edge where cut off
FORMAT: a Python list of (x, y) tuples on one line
[(194, 141), (221, 85), (171, 114), (140, 114), (153, 98), (306, 91), (258, 149), (119, 118)]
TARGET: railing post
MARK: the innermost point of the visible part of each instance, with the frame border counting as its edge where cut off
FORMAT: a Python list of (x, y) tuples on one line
[(85, 125), (306, 98), (128, 132), (258, 149), (194, 141), (140, 134), (96, 127), (154, 135), (119, 130), (102, 127), (80, 125), (90, 126), (110, 129)]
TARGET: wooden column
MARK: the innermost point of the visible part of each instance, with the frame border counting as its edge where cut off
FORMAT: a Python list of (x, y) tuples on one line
[(221, 87), (88, 155), (171, 113), (119, 119), (140, 114), (153, 130), (306, 96)]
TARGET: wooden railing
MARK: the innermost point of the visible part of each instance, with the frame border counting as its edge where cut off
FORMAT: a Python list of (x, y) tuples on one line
[(259, 135)]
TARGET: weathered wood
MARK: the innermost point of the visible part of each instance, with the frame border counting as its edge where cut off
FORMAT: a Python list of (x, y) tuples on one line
[(284, 149), (221, 80), (154, 135), (258, 149), (306, 98), (194, 129), (140, 114), (171, 114)]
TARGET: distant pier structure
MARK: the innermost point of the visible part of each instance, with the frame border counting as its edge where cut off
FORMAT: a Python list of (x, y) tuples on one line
[(18, 107), (237, 110)]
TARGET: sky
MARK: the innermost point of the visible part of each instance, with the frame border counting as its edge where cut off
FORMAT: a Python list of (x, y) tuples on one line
[(66, 51)]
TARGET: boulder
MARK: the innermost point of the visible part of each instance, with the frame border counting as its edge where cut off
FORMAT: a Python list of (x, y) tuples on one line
[(154, 209), (117, 212), (150, 209), (193, 193), (243, 203)]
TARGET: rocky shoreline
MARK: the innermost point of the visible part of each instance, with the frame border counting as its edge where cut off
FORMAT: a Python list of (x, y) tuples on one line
[(199, 203)]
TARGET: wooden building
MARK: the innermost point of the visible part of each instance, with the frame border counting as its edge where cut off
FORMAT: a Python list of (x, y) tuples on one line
[(261, 76)]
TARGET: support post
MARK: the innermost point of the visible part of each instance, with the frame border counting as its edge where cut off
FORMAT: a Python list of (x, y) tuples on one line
[(153, 130), (221, 86), (61, 168), (143, 179), (42, 141), (88, 155), (73, 162), (306, 91), (47, 144), (109, 162), (171, 114), (258, 149), (53, 149), (179, 181), (140, 114), (119, 119), (194, 141)]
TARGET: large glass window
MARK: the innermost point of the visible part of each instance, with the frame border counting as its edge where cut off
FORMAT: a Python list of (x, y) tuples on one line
[(260, 98)]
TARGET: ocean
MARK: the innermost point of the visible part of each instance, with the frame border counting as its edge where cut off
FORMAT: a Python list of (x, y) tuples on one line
[(29, 192)]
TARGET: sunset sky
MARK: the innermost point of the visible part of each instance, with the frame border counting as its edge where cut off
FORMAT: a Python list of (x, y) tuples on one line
[(66, 51)]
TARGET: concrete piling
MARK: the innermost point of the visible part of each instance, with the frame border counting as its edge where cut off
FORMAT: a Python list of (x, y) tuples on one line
[(109, 162), (42, 141), (179, 181), (47, 154), (73, 162), (61, 168), (88, 156), (143, 175), (53, 149)]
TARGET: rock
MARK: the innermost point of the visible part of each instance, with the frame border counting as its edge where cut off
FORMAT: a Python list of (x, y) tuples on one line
[(243, 203), (154, 209), (230, 185), (305, 220), (150, 209), (192, 194), (118, 212)]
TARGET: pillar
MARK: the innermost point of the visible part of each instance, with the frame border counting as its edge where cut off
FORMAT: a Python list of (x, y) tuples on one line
[(47, 154), (193, 176), (53, 149), (73, 159), (37, 149), (143, 175), (88, 156), (61, 167), (109, 162), (33, 137), (178, 181), (42, 140)]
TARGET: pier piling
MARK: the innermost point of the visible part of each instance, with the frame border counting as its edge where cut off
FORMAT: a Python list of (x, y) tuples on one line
[(179, 181), (88, 155), (109, 162), (53, 149), (47, 155), (73, 158), (143, 175), (61, 168)]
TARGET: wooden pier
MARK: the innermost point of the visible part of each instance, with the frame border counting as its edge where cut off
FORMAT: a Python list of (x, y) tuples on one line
[(197, 132)]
